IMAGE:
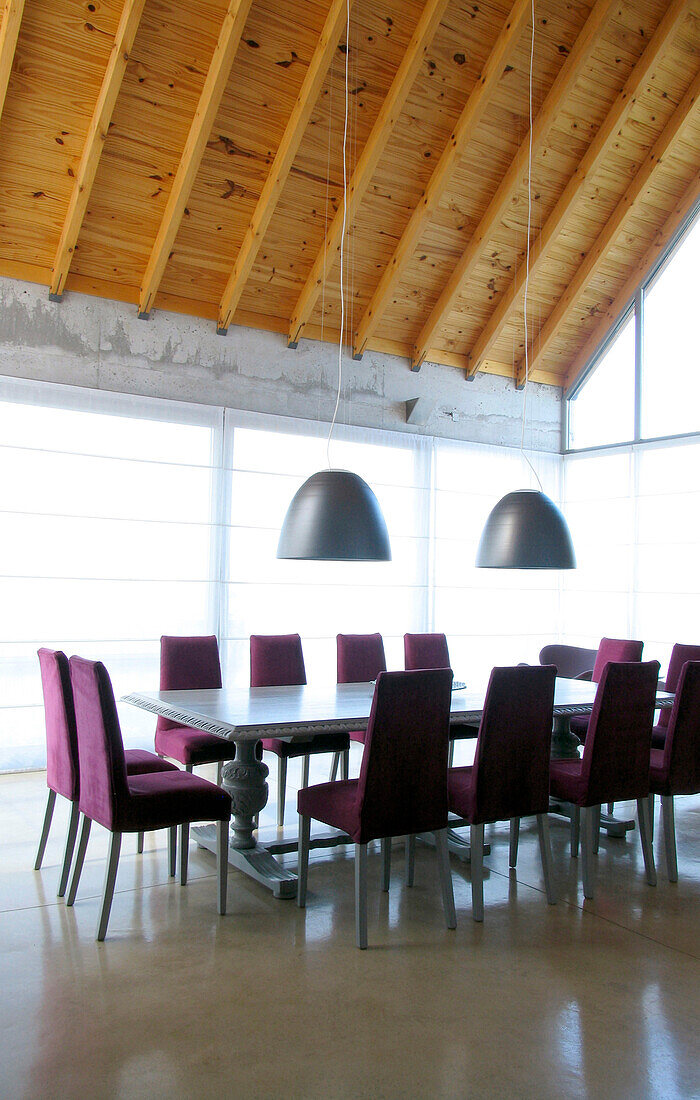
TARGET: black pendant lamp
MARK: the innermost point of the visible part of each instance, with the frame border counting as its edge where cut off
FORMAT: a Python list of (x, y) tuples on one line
[(334, 516), (526, 530)]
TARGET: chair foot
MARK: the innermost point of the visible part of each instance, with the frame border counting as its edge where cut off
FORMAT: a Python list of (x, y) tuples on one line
[(48, 815), (70, 846), (139, 843), (110, 880), (79, 860)]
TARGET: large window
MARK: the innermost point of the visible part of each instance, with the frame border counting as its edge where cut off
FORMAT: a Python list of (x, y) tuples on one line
[(127, 518), (603, 409)]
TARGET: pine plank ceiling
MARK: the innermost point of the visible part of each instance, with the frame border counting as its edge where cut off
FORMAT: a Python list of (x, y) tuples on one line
[(188, 156)]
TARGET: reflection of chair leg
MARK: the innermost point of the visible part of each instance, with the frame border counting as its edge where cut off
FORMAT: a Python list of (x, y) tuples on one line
[(50, 803), (476, 838), (303, 863), (222, 864), (361, 895), (645, 835), (575, 830), (410, 859), (514, 838), (443, 858), (70, 845), (184, 851), (596, 828), (546, 857), (281, 788), (345, 764), (386, 862), (110, 879), (587, 850), (79, 860), (334, 767), (172, 850), (669, 824)]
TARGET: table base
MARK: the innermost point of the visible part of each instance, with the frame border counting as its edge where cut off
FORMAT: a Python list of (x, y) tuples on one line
[(614, 826)]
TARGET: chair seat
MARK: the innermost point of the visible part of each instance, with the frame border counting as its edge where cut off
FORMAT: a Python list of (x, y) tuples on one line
[(159, 800), (566, 781), (658, 737), (323, 742), (336, 804), (191, 746), (461, 791), (140, 762)]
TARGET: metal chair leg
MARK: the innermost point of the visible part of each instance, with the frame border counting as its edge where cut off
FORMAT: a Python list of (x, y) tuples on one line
[(575, 830), (303, 861), (70, 847), (345, 764), (443, 858), (281, 788), (546, 857), (476, 840), (110, 879), (334, 767), (306, 760), (139, 843), (651, 813), (514, 838), (410, 859), (79, 860), (222, 865), (587, 851), (172, 850), (184, 851), (451, 754), (596, 811), (645, 835), (386, 863), (219, 771), (669, 823), (361, 896), (48, 815)]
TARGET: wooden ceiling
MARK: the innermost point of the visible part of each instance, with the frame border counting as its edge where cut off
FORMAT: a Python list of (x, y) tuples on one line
[(188, 156)]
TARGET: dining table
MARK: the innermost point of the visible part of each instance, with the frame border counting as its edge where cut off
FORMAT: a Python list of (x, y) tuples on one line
[(247, 715)]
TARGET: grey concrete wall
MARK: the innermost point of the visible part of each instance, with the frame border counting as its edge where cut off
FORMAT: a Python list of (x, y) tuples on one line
[(92, 342)]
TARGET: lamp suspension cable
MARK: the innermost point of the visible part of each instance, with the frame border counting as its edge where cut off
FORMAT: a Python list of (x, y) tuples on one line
[(342, 240)]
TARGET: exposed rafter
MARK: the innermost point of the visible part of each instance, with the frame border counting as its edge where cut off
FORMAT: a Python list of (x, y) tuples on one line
[(576, 62), (641, 271), (654, 158), (9, 32), (366, 165), (591, 160), (284, 158), (94, 143), (452, 153), (210, 98)]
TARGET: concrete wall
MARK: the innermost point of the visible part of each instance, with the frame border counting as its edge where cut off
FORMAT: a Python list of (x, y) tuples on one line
[(87, 341)]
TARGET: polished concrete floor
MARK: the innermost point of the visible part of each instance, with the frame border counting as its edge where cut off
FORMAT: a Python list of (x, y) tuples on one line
[(600, 999)]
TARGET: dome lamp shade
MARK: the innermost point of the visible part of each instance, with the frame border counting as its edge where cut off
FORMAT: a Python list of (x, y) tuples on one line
[(334, 516), (526, 530)]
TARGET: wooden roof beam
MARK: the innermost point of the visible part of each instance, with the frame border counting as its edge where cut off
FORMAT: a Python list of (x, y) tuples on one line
[(577, 60), (639, 274), (452, 153), (209, 100), (658, 151), (9, 32), (94, 144), (284, 158), (659, 42), (366, 166)]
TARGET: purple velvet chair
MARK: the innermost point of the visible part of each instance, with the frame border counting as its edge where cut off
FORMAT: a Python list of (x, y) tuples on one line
[(510, 775), (129, 804), (360, 659), (675, 768), (615, 761), (679, 655), (277, 660), (190, 663), (425, 651), (610, 649), (402, 789), (62, 767)]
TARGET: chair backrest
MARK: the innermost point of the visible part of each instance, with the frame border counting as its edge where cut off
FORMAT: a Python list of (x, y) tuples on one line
[(615, 649), (187, 663), (403, 777), (425, 651), (679, 655), (62, 770), (360, 657), (615, 762), (682, 744), (511, 762), (570, 660), (276, 660), (103, 785)]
